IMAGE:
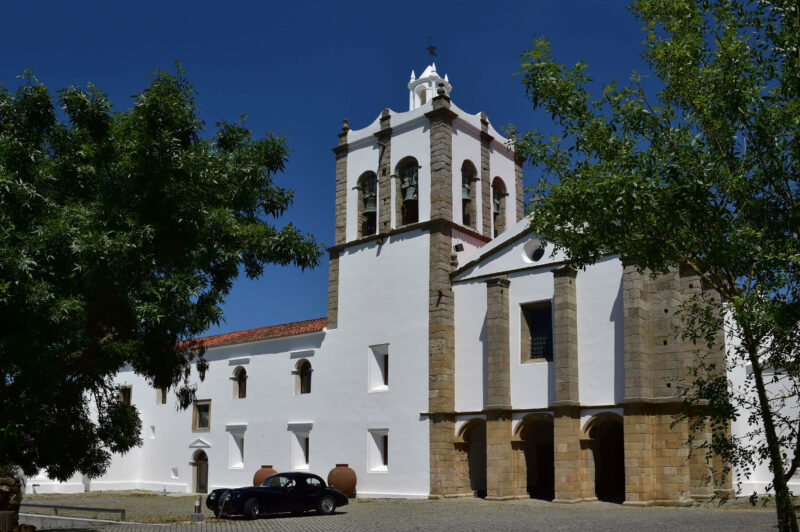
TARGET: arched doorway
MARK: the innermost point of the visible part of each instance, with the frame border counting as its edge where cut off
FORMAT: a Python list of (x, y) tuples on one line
[(608, 449), (475, 434), (537, 437), (200, 472)]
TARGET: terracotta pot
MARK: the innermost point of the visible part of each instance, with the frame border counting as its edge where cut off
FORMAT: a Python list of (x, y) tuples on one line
[(262, 474), (343, 478)]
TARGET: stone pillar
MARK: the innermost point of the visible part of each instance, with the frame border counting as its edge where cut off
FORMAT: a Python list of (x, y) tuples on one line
[(486, 179), (441, 135), (565, 329), (639, 441), (519, 188), (497, 341), (384, 173), (340, 226), (341, 186), (333, 290), (499, 456), (636, 337), (441, 325), (572, 460)]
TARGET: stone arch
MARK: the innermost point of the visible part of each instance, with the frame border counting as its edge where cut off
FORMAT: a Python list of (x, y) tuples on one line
[(473, 436), (606, 441), (469, 196), (406, 191), (302, 377), (535, 432), (367, 202), (199, 465), (499, 195), (239, 379)]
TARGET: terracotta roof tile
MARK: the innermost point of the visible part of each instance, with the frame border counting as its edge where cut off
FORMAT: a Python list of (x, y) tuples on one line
[(264, 333)]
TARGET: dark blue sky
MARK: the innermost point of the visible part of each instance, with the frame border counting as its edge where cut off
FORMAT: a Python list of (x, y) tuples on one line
[(297, 68)]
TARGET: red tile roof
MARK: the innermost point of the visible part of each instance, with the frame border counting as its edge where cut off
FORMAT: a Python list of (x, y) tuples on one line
[(264, 333)]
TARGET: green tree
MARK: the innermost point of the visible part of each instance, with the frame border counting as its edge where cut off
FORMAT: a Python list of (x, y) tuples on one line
[(702, 171), (120, 235)]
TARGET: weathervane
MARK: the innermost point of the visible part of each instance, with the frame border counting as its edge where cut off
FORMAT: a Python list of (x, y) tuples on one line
[(431, 50)]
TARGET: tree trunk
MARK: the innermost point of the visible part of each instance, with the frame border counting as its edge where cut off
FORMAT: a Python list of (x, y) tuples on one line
[(787, 518), (10, 497)]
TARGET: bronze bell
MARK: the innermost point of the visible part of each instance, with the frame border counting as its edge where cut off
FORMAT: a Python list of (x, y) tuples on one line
[(496, 204), (465, 192), (410, 194), (370, 204)]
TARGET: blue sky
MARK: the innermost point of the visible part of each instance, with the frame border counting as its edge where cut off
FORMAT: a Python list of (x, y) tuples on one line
[(298, 68)]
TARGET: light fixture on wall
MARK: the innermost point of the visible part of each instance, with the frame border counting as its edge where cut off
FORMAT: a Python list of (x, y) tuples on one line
[(458, 247)]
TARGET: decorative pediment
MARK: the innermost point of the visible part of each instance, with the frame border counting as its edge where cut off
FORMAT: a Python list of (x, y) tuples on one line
[(199, 443)]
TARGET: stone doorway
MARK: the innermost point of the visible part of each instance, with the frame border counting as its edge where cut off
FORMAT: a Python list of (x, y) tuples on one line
[(608, 449), (537, 438), (200, 462), (475, 435)]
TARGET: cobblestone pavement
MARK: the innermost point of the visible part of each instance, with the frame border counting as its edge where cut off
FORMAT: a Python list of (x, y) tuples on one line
[(458, 514)]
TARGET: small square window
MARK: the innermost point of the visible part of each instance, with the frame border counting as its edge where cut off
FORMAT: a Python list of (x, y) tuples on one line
[(536, 331), (161, 396), (301, 450), (201, 418)]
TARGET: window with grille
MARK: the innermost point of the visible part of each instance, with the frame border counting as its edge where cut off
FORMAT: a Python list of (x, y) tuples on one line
[(536, 340)]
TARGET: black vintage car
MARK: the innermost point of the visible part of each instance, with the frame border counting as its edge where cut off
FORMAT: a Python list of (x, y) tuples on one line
[(284, 492)]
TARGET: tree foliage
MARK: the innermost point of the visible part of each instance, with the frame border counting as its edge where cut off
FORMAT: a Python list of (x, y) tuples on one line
[(702, 171), (120, 235)]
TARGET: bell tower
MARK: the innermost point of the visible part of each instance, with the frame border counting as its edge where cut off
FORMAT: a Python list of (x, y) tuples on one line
[(416, 193)]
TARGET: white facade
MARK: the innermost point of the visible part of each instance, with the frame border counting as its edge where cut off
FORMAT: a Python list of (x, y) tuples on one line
[(383, 328)]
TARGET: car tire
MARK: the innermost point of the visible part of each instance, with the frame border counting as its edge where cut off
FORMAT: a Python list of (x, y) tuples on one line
[(327, 505), (250, 509)]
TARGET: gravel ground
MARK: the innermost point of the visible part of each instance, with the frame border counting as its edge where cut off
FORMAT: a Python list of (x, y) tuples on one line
[(452, 514)]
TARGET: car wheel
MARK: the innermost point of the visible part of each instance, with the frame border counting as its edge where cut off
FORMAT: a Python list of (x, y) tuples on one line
[(327, 505), (251, 509)]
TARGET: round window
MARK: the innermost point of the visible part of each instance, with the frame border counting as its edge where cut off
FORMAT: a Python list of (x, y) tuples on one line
[(533, 251)]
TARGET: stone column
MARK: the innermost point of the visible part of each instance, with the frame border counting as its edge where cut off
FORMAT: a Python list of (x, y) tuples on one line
[(340, 226), (486, 179), (441, 324), (499, 455), (333, 290), (569, 456), (519, 188), (565, 329), (384, 173), (636, 336)]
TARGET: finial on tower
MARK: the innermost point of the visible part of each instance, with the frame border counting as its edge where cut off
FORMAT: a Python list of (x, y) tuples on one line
[(423, 89)]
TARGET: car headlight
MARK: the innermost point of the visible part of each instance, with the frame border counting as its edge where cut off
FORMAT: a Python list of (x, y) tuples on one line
[(212, 496)]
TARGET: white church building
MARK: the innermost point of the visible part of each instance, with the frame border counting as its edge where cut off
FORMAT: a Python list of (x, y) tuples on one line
[(459, 357)]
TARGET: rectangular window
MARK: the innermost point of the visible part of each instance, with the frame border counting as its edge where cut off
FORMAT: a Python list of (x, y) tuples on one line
[(378, 368), (236, 450), (301, 450), (378, 450), (201, 418), (161, 396), (536, 328), (125, 393)]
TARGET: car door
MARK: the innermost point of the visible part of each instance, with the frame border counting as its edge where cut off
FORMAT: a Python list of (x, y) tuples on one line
[(307, 492), (275, 497)]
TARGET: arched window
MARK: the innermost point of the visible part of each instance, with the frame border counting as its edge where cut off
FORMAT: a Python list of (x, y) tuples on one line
[(367, 204), (407, 178), (239, 383), (423, 95), (499, 205), (469, 179), (302, 379)]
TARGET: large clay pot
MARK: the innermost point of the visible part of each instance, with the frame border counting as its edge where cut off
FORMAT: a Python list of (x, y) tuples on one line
[(262, 474), (343, 478)]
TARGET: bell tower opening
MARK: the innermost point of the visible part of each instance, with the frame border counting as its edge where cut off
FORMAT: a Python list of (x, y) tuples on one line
[(407, 174)]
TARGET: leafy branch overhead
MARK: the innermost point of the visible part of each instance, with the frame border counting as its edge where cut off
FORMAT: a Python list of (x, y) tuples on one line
[(120, 235), (695, 167)]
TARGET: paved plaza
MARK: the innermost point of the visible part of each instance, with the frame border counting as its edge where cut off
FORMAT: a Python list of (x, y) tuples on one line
[(450, 514)]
